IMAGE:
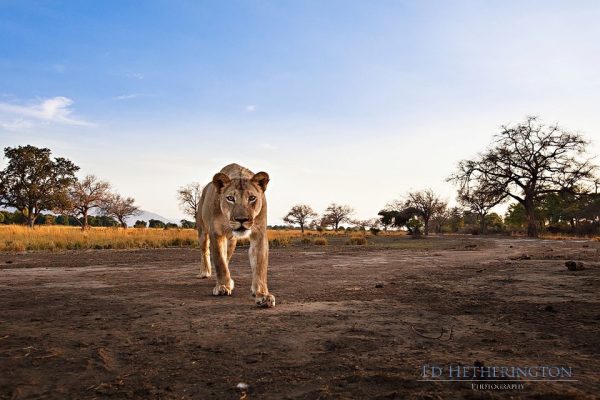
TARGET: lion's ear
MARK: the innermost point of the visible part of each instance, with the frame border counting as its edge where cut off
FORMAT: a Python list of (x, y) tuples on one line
[(261, 179), (220, 180)]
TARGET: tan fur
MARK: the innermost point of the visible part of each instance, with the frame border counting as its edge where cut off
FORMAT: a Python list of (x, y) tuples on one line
[(221, 222)]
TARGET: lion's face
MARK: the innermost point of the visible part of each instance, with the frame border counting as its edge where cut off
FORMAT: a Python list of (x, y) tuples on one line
[(241, 200)]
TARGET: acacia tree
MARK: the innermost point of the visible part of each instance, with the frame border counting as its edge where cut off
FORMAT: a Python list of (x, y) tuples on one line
[(33, 182), (300, 214), (364, 224), (386, 218), (427, 204), (189, 198), (336, 214), (85, 195), (527, 161), (120, 208)]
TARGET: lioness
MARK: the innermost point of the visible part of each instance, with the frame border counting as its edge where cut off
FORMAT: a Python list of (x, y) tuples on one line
[(234, 206)]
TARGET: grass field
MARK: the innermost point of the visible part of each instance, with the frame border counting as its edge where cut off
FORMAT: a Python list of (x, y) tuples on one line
[(16, 238), (56, 238)]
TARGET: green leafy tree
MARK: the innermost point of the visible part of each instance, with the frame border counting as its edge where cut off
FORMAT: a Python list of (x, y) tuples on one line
[(515, 216), (494, 222), (33, 181), (456, 220), (386, 218), (155, 223), (62, 220), (185, 224), (140, 224)]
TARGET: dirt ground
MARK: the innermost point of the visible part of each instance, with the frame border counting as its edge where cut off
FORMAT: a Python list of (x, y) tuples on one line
[(352, 322)]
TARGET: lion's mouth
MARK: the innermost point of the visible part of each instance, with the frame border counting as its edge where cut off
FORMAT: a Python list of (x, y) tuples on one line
[(242, 232)]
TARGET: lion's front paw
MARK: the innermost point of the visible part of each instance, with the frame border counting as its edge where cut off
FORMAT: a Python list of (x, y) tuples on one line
[(204, 275), (223, 290), (265, 300)]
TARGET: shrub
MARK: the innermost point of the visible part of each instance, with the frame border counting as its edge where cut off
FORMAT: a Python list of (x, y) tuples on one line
[(155, 223), (375, 231), (306, 241), (321, 241), (242, 243), (357, 240), (282, 241)]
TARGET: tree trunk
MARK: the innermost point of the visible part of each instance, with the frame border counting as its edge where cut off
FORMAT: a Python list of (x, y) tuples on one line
[(30, 217), (482, 226), (123, 224), (426, 228), (302, 228), (85, 220), (532, 223)]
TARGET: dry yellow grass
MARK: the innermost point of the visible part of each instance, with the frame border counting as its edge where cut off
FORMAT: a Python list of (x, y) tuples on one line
[(53, 238), (56, 238), (20, 238)]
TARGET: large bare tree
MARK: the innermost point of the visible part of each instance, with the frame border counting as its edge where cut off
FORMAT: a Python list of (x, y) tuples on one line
[(189, 198), (120, 208), (527, 161), (85, 195), (336, 214), (300, 214)]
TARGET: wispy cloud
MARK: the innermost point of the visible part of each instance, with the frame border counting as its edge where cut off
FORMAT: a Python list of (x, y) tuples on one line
[(250, 108), (55, 110), (18, 124), (135, 75), (128, 96)]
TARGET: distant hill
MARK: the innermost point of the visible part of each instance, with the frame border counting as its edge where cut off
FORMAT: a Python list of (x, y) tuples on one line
[(147, 216)]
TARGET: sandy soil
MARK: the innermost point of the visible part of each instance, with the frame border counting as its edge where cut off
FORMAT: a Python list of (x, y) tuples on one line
[(140, 324)]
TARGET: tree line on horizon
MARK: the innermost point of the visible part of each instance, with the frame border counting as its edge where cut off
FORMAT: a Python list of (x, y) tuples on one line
[(34, 182), (542, 169)]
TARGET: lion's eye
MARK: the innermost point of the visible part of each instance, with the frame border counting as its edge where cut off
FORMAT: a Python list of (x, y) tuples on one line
[(252, 198), (230, 198)]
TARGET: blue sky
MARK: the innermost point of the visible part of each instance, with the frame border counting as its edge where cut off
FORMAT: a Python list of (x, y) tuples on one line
[(352, 102)]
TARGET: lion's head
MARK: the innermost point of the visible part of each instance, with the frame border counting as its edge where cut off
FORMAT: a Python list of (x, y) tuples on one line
[(241, 200)]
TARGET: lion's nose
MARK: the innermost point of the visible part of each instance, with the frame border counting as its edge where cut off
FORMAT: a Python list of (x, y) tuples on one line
[(242, 220)]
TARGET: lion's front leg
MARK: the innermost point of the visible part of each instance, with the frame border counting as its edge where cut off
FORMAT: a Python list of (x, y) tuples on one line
[(205, 265), (259, 260), (218, 252)]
